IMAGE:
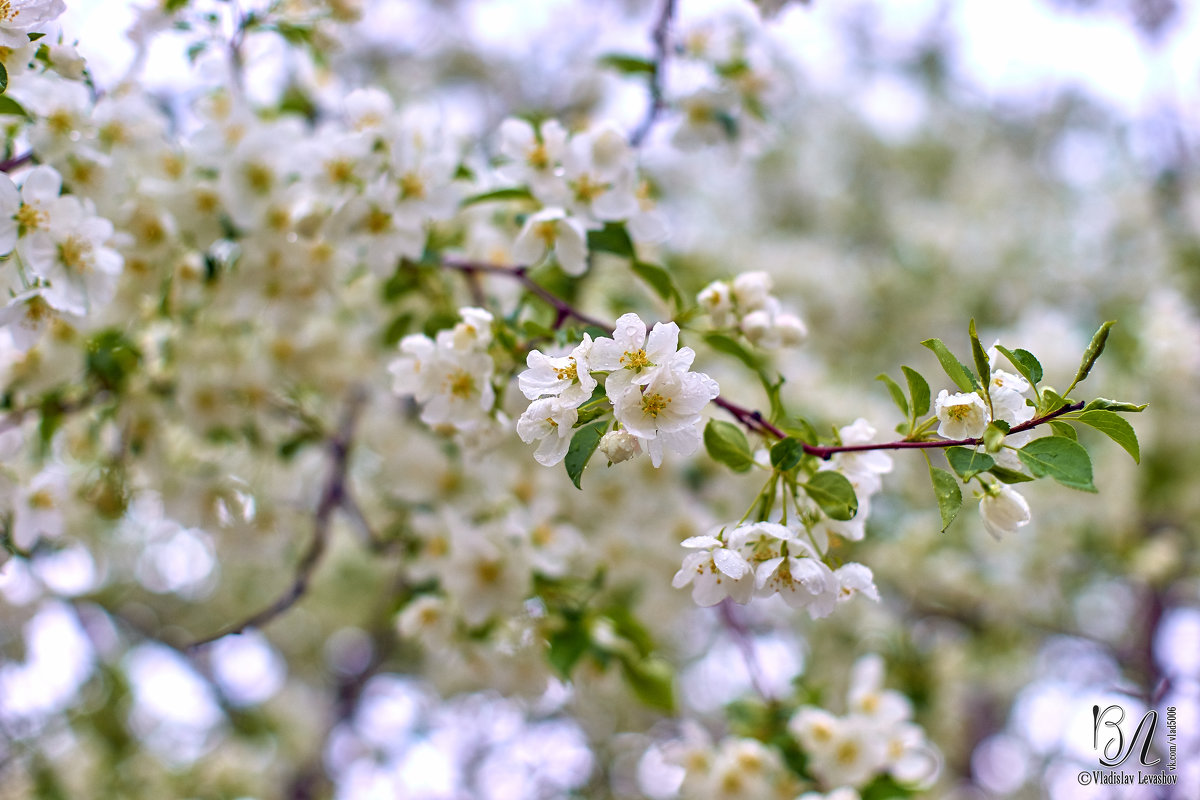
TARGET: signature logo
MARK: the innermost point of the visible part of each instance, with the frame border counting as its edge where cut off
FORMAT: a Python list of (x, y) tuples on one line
[(1117, 750)]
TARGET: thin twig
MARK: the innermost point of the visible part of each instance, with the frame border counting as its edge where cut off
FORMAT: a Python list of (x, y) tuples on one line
[(661, 38), (827, 452), (562, 308), (332, 498), (741, 638), (16, 416), (753, 420), (8, 165)]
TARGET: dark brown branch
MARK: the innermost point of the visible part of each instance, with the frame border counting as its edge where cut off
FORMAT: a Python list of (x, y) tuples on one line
[(753, 420), (828, 452), (332, 498), (8, 165), (661, 38), (563, 310)]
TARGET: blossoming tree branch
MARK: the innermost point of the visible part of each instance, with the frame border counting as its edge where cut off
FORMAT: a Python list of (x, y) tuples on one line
[(231, 331)]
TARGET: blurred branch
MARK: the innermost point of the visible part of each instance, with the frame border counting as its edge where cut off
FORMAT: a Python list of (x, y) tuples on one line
[(563, 309), (17, 415), (8, 165), (333, 497), (741, 637), (312, 781), (660, 36)]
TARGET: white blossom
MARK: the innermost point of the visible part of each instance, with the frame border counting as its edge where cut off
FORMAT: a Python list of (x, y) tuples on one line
[(962, 416), (664, 413), (534, 156), (1003, 510), (551, 421), (714, 572), (567, 377), (552, 229), (633, 358), (19, 17)]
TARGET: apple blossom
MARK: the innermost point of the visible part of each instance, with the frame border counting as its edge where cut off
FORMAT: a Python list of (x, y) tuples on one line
[(961, 416), (1003, 510)]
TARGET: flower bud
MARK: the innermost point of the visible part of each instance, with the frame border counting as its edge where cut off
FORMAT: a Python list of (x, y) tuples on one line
[(758, 328), (1003, 510), (619, 446), (751, 290), (717, 300), (792, 330)]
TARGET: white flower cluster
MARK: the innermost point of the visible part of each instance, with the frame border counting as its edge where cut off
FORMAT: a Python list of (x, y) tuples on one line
[(746, 303), (735, 768), (765, 558), (844, 753), (450, 375), (722, 81), (64, 262), (876, 736), (655, 396), (966, 415), (581, 181)]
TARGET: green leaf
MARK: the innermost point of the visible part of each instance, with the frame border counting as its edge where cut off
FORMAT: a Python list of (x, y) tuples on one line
[(112, 358), (1063, 429), (567, 645), (799, 428), (982, 365), (1094, 349), (918, 390), (1113, 405), (833, 492), (583, 444), (731, 347), (630, 65), (497, 196), (786, 454), (659, 279), (967, 462), (612, 238), (949, 495), (993, 435), (1005, 475), (12, 107), (1059, 458), (1025, 363), (3, 78), (727, 444), (1114, 427), (652, 680), (961, 376), (896, 392), (1051, 401)]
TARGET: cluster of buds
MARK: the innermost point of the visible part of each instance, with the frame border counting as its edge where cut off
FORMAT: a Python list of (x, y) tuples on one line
[(746, 303)]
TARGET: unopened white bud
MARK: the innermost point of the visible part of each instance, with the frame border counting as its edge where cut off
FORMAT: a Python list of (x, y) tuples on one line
[(757, 327), (1003, 510), (751, 290), (792, 330), (619, 446), (717, 300), (67, 62)]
